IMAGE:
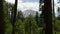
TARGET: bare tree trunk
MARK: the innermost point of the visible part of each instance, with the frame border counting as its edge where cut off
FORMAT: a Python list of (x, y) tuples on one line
[(48, 16), (14, 17), (1, 18)]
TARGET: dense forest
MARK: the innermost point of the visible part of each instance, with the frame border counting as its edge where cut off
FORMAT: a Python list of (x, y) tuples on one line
[(16, 23)]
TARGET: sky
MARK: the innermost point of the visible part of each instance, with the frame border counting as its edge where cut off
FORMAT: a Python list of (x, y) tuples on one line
[(32, 4), (26, 4), (56, 5)]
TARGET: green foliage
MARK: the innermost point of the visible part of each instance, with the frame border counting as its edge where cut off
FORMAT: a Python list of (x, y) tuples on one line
[(57, 25), (19, 27), (8, 27), (41, 20), (30, 25), (57, 22)]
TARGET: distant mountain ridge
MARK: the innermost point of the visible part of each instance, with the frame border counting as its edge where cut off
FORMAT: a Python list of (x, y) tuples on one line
[(29, 12)]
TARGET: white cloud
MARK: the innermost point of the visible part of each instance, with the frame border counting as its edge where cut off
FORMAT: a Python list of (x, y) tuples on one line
[(10, 1), (56, 6), (26, 5)]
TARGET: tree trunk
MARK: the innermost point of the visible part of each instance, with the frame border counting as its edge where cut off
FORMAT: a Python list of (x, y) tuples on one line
[(48, 16), (14, 17), (54, 18), (1, 18)]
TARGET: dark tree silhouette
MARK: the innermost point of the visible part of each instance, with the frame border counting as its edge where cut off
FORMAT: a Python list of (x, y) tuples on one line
[(14, 17), (1, 18), (36, 17), (40, 5), (20, 15), (48, 16)]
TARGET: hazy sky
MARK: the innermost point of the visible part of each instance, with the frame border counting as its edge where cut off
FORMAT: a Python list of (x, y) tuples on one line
[(31, 4)]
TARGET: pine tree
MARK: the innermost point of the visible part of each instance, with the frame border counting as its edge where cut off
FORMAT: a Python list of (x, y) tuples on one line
[(20, 15), (41, 20), (14, 17), (36, 18)]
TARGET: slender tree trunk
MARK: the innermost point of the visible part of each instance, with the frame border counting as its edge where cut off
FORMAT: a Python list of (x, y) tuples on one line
[(14, 17), (54, 18), (1, 18), (48, 16)]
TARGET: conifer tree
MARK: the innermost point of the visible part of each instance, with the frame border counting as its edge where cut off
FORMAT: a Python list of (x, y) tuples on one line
[(14, 16)]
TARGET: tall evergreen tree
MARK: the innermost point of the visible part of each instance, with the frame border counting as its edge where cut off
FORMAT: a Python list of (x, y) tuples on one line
[(36, 18), (20, 15), (41, 20), (1, 18), (14, 17), (48, 16)]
